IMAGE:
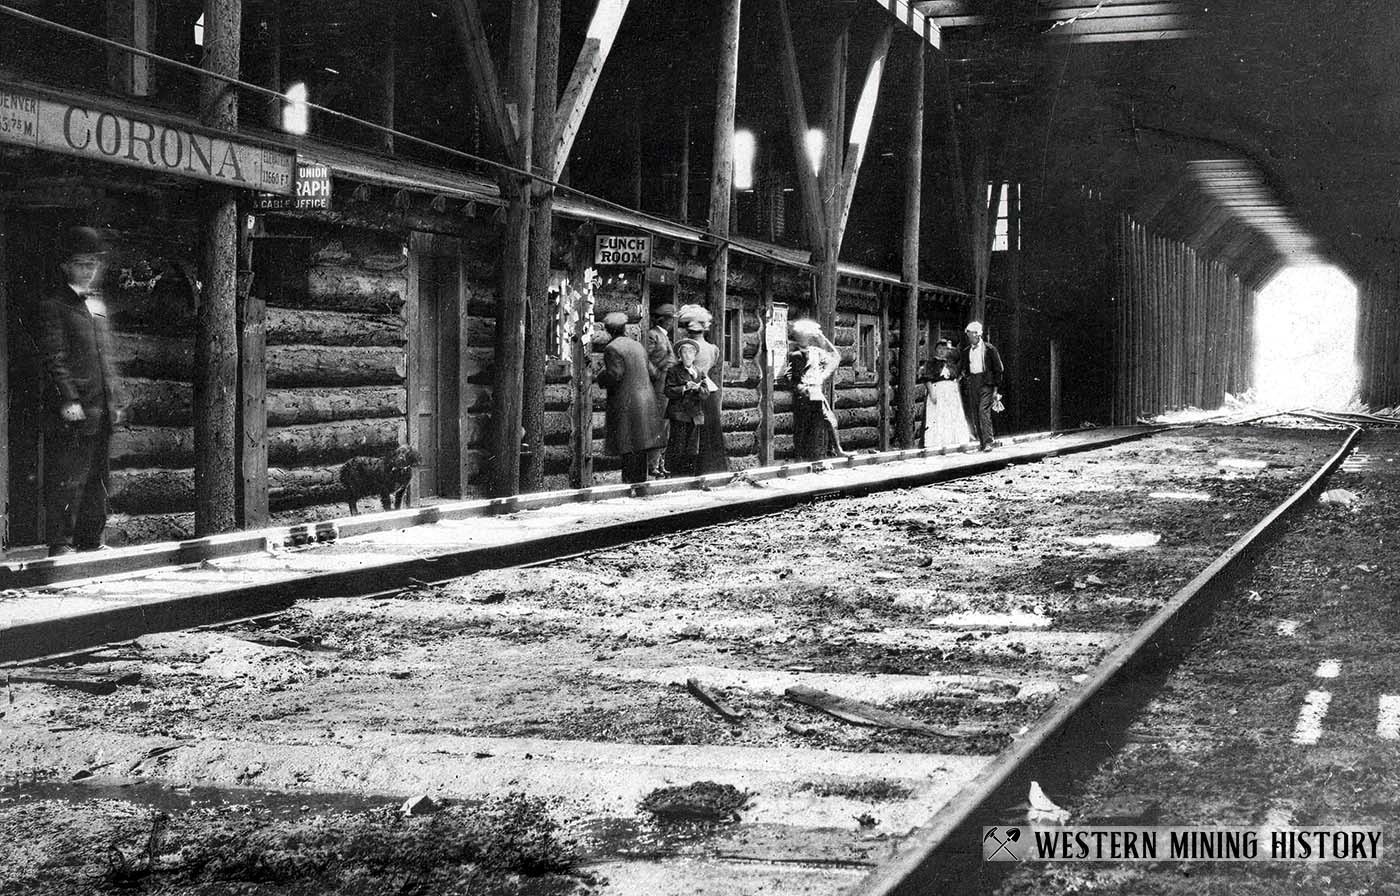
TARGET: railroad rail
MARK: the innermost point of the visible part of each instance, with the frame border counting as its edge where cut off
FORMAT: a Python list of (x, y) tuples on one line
[(850, 710)]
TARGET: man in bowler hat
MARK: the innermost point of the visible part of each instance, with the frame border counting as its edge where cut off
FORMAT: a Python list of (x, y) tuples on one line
[(83, 397), (633, 426), (982, 373)]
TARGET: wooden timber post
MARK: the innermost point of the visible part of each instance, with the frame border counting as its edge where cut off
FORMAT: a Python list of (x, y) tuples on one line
[(683, 209), (766, 367), (913, 194), (252, 387), (541, 246), (388, 85), (581, 353), (722, 174), (216, 339), (1016, 399), (882, 346), (274, 64)]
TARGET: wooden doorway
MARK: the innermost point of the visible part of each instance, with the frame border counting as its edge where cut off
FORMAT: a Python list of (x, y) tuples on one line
[(30, 257), (437, 346)]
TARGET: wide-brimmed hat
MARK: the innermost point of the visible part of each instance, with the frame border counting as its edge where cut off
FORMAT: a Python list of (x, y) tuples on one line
[(975, 327), (690, 342), (615, 319), (692, 315), (667, 310)]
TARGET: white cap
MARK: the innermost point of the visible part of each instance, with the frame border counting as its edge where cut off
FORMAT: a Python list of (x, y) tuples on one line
[(974, 327)]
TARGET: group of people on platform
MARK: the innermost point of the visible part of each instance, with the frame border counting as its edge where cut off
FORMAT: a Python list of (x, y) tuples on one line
[(972, 374), (664, 412)]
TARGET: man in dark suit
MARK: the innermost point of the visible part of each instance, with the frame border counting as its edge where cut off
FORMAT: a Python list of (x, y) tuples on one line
[(982, 376), (633, 425), (83, 397)]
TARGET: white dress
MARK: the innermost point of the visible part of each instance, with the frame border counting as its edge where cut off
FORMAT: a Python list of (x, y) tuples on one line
[(945, 424)]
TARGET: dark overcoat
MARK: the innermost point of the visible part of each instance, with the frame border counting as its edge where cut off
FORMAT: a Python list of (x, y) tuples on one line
[(686, 405), (633, 423), (75, 343), (993, 369)]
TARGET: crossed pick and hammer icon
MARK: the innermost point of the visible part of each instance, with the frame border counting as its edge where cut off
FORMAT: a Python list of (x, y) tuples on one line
[(1012, 835)]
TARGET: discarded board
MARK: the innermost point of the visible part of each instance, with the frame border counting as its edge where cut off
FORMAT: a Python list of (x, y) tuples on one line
[(857, 713), (699, 693), (85, 681)]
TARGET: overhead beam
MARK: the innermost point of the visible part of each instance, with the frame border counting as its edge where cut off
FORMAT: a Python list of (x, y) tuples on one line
[(602, 32), (860, 128), (798, 127), (908, 13), (481, 71)]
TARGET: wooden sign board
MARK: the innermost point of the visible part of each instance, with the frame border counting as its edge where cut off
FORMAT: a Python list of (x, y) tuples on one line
[(622, 249), (141, 141), (312, 191)]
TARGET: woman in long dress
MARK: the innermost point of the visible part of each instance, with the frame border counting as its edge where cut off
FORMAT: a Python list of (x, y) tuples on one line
[(694, 321), (945, 424)]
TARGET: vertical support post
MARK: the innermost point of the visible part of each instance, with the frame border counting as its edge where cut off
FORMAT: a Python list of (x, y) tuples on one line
[(274, 64), (252, 376), (1016, 396), (683, 210), (131, 22), (541, 245), (635, 147), (828, 275), (722, 170), (581, 441), (882, 346), (388, 85), (913, 194), (515, 252), (216, 340), (766, 365), (4, 388), (1056, 378)]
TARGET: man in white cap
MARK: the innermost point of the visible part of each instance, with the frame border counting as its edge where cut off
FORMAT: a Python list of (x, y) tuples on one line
[(632, 427), (982, 376)]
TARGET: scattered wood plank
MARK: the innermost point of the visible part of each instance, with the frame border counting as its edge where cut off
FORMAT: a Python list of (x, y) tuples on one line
[(87, 681), (699, 693), (858, 713)]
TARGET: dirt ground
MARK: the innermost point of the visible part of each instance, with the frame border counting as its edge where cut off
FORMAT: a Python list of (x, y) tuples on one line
[(1217, 745), (273, 758)]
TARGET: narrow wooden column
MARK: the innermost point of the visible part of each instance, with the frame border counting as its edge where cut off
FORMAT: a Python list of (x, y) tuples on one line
[(884, 390), (581, 442), (388, 84), (722, 169), (766, 368), (831, 192), (541, 245), (913, 194), (274, 64), (1016, 399), (683, 211), (216, 339), (252, 387), (515, 254)]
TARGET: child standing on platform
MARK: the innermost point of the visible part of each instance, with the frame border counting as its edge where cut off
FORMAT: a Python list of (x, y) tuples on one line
[(686, 389)]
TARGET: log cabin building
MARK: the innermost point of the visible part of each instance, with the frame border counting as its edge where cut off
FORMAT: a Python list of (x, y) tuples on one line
[(370, 272)]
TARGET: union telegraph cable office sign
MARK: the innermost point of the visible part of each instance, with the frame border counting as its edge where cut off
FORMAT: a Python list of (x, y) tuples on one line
[(127, 139)]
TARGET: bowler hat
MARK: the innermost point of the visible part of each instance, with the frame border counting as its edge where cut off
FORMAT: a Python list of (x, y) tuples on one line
[(82, 241), (615, 319), (690, 342), (667, 310)]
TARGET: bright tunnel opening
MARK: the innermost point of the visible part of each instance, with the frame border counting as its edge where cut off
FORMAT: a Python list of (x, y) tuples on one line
[(1305, 339)]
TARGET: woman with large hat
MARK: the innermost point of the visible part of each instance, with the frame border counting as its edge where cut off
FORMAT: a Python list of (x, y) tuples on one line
[(694, 321), (945, 424)]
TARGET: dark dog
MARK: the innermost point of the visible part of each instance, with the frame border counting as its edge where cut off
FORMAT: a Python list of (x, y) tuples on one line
[(386, 476)]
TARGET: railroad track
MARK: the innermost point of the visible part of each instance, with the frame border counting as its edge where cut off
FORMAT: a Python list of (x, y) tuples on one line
[(870, 678)]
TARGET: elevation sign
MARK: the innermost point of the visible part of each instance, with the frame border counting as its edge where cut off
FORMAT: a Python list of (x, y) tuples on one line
[(89, 132)]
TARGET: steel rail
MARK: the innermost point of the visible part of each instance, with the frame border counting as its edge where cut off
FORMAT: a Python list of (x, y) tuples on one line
[(946, 856)]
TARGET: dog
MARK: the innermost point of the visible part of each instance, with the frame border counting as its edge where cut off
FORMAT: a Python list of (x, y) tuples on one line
[(386, 476)]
